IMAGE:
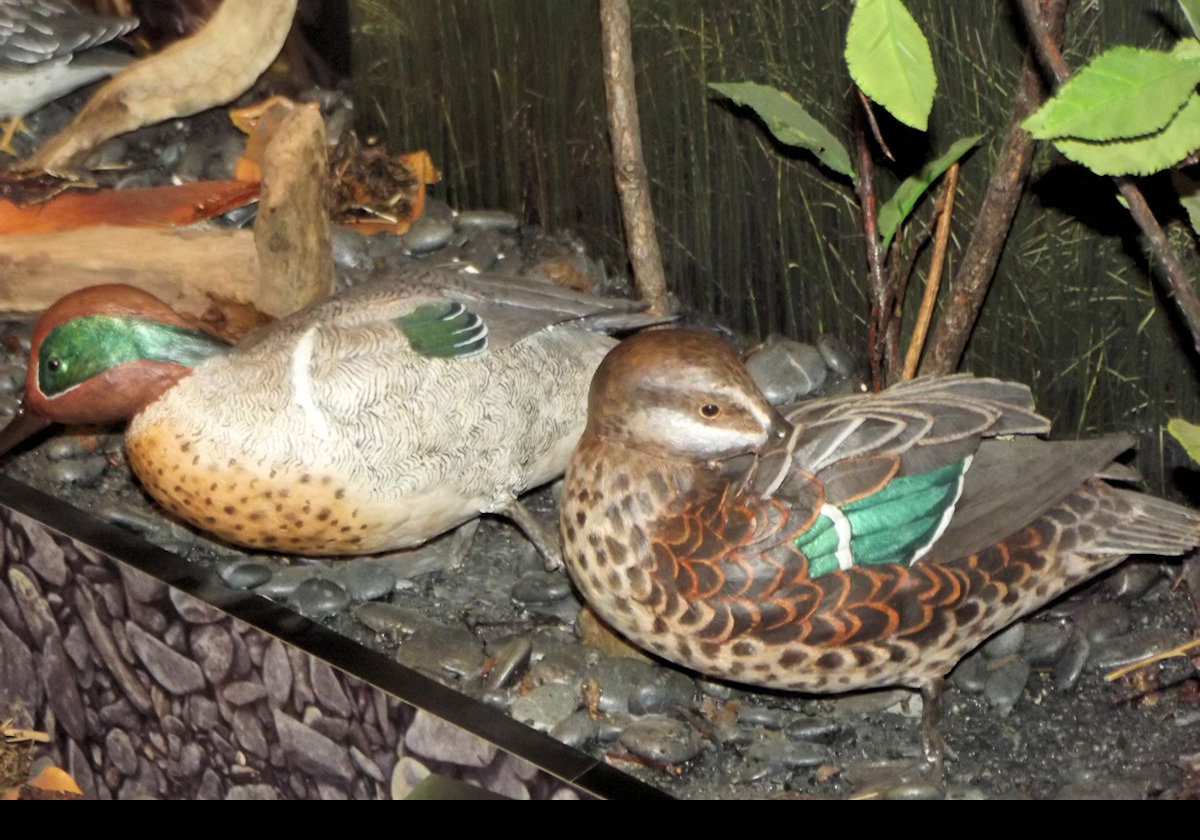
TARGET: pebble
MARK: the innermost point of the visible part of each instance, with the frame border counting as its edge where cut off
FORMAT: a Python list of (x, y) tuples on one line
[(480, 253), (499, 220), (1133, 580), (661, 739), (786, 370), (64, 447), (1044, 643), (913, 791), (1074, 658), (579, 729), (787, 752), (446, 650), (246, 574), (1135, 646), (616, 679), (241, 217), (764, 716), (285, 579), (1102, 620), (1005, 684), (665, 691), (317, 598), (143, 521), (425, 237), (83, 472), (365, 579), (541, 588), (971, 674), (837, 355), (563, 665), (1005, 643), (511, 658), (825, 730), (546, 707), (350, 248)]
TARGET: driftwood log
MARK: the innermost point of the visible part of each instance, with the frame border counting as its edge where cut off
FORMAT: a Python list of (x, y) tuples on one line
[(213, 275)]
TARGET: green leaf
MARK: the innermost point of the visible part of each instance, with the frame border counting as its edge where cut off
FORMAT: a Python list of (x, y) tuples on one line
[(1188, 434), (1191, 10), (1125, 92), (890, 61), (1143, 155), (896, 209), (789, 122)]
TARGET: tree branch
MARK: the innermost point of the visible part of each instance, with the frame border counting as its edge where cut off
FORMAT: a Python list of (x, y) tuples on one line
[(974, 277), (629, 165), (1170, 268)]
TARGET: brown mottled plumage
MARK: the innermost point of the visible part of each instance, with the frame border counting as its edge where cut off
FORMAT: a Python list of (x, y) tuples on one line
[(778, 550)]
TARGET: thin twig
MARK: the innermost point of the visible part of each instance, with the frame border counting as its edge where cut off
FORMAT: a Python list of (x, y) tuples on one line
[(864, 185), (871, 121), (1178, 650), (1171, 269), (899, 277), (629, 164), (917, 343)]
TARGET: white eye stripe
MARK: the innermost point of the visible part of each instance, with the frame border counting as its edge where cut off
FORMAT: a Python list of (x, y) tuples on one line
[(696, 435)]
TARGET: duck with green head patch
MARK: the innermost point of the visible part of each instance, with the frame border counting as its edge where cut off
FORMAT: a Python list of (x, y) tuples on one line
[(371, 421), (838, 544)]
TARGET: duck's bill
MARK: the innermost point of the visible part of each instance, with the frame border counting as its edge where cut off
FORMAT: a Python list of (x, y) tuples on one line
[(24, 425)]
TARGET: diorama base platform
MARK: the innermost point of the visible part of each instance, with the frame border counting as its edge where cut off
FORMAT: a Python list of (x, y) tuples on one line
[(155, 680)]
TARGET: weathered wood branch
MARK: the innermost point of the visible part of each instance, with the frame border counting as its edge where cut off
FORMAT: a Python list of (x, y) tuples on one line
[(629, 164)]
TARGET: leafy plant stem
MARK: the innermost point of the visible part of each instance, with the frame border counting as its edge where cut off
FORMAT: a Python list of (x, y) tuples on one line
[(929, 298), (864, 185), (1171, 269), (899, 279), (865, 101)]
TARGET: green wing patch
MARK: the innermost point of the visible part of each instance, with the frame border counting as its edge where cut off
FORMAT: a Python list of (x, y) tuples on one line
[(444, 330), (895, 525)]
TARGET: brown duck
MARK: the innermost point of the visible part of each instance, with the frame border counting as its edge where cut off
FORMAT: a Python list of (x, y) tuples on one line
[(840, 544)]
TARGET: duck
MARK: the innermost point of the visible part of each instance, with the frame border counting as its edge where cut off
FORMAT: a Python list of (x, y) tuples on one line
[(367, 422), (836, 544), (48, 48)]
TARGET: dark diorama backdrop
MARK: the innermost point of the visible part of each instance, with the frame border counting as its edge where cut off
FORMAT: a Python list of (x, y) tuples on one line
[(508, 97)]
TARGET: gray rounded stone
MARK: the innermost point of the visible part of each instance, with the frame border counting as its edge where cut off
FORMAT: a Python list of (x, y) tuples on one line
[(84, 472), (786, 370), (661, 739), (317, 598), (366, 579), (541, 588), (246, 574)]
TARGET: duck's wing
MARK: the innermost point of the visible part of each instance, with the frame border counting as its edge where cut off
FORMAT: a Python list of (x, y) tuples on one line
[(1013, 482), (448, 313), (881, 475), (32, 33)]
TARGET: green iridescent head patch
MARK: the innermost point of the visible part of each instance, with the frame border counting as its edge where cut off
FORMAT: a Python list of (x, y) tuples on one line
[(76, 350)]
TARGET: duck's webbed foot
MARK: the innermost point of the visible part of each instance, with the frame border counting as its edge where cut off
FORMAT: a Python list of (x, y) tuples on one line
[(539, 532)]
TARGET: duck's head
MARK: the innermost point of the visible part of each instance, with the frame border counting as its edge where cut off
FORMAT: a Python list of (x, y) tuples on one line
[(100, 355), (680, 394)]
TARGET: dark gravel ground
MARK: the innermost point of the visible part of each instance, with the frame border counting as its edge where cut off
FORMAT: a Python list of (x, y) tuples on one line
[(1092, 739)]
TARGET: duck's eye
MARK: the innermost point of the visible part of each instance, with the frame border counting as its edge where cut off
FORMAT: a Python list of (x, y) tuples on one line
[(709, 410), (53, 364)]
